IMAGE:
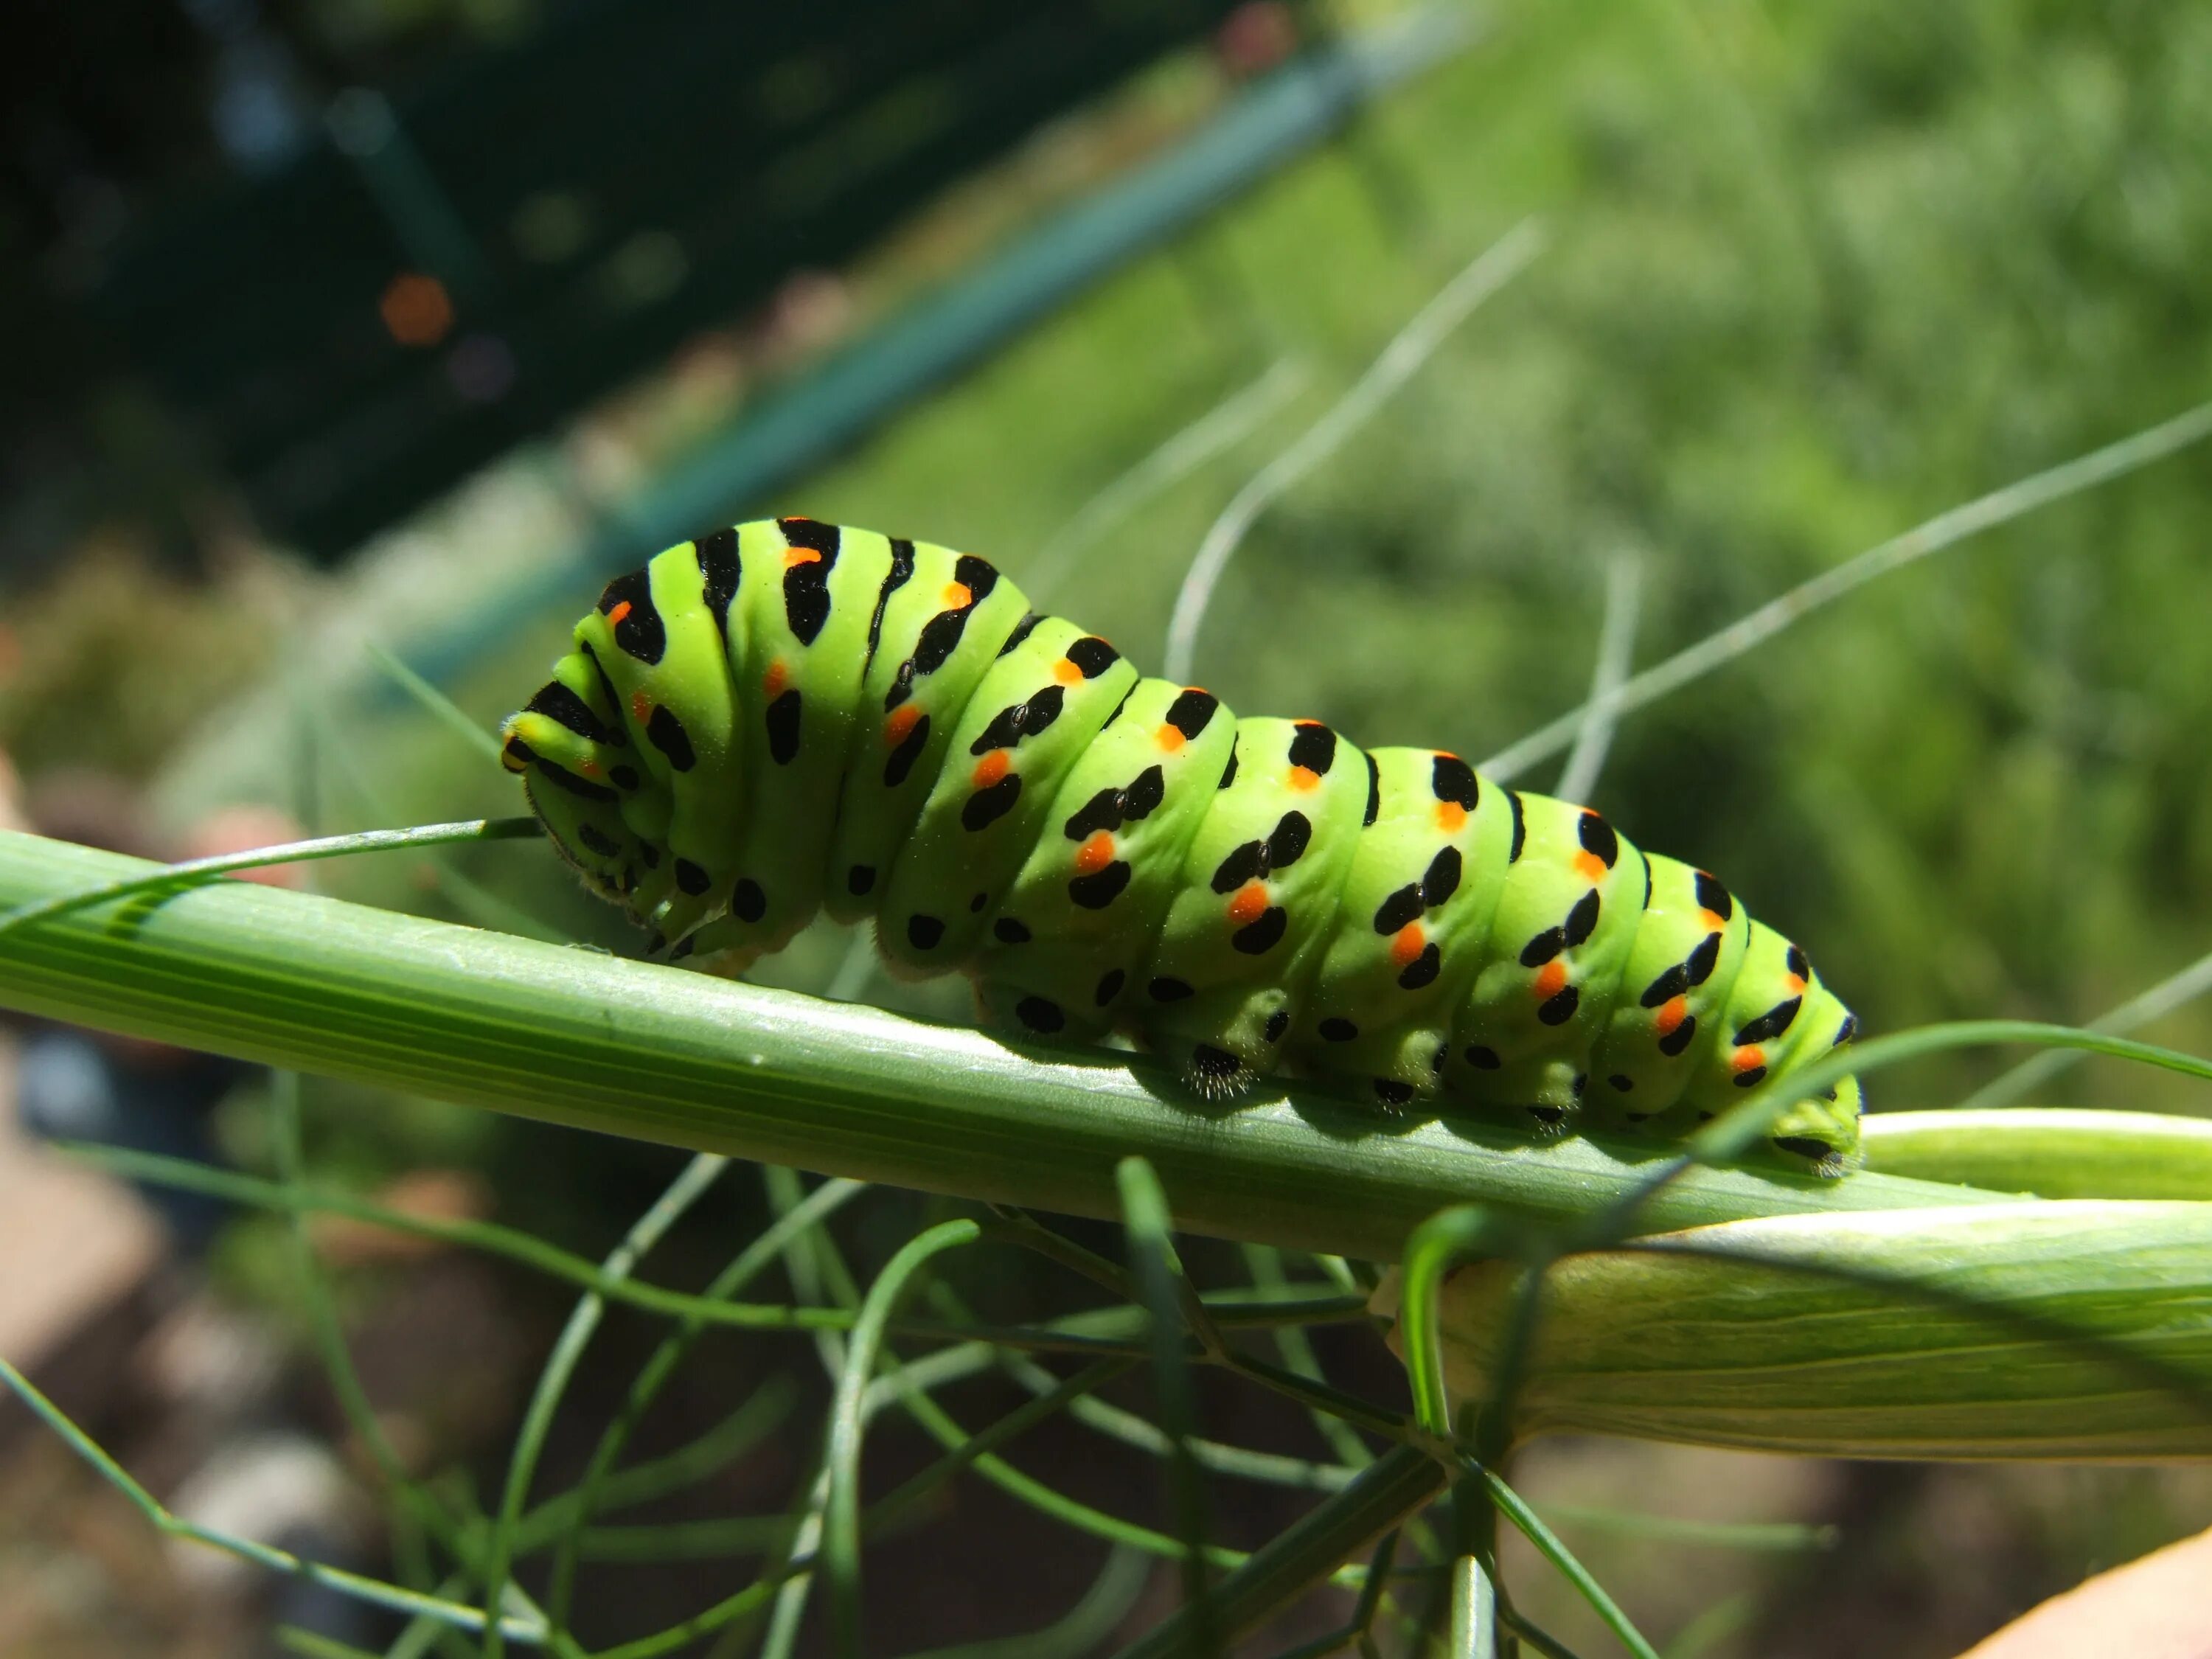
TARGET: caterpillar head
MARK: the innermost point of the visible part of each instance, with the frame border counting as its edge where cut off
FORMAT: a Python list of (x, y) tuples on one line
[(1822, 1131), (569, 790)]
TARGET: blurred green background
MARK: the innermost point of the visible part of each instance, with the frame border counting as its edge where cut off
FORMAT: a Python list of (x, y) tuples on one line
[(1816, 273)]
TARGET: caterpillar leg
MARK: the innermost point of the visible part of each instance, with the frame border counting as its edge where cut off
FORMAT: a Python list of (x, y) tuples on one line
[(1424, 878), (1066, 948), (1256, 900), (1221, 1043), (1575, 893)]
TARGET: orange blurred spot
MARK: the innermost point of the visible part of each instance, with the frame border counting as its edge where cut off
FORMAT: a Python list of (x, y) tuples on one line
[(417, 309), (621, 609), (1249, 905), (795, 556), (1169, 738), (1096, 853), (958, 596), (1451, 817), (900, 721), (1795, 983), (989, 770), (587, 765), (641, 707), (1304, 778), (1749, 1059), (776, 680), (1408, 943), (1714, 923), (1590, 867), (1067, 672), (1671, 1014), (1551, 979)]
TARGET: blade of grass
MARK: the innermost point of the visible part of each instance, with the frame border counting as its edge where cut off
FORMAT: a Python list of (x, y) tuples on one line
[(1530, 1526), (1413, 346), (1363, 1609), (1271, 1468), (598, 1480), (2014, 500), (1616, 649), (1228, 423), (898, 1385), (1165, 1291), (842, 1530), (159, 880), (372, 1590), (434, 702), (1081, 1629), (689, 1186), (1307, 1553), (763, 1413), (2175, 991), (1062, 1394), (414, 1509)]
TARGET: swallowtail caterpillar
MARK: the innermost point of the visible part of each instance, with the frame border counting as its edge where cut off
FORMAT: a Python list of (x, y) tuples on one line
[(787, 716)]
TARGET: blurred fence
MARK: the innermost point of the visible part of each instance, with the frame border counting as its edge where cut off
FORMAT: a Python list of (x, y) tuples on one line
[(448, 267)]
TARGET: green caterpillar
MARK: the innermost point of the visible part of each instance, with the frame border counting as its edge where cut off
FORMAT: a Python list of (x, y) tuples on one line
[(787, 716)]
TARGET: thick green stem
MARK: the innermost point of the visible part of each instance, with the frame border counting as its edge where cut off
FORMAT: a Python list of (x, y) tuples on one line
[(575, 1036), (1397, 1485)]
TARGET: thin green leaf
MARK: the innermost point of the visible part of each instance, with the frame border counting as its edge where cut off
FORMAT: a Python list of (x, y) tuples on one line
[(1307, 1553), (371, 1591), (1166, 1296), (1121, 1580), (440, 707), (689, 1186), (1530, 1526), (192, 872), (2014, 500), (841, 1533)]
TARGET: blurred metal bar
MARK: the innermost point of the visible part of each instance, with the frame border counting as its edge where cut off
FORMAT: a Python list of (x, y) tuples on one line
[(1280, 118)]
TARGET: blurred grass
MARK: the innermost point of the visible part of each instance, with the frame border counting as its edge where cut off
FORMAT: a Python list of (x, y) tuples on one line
[(1816, 276)]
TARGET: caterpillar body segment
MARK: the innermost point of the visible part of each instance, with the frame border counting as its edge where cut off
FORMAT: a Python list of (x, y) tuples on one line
[(788, 716)]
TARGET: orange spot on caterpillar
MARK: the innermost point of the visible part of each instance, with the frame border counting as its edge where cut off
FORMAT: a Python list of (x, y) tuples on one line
[(900, 721), (1095, 853), (1451, 817), (776, 680), (795, 556), (1714, 922), (958, 596), (1795, 983), (1066, 672), (1551, 980), (1590, 867), (587, 764), (989, 770), (1408, 943), (1304, 778), (1168, 738), (621, 609), (1748, 1059), (1671, 1014), (640, 706), (1249, 905)]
